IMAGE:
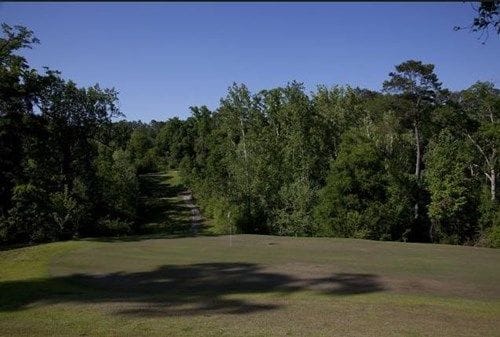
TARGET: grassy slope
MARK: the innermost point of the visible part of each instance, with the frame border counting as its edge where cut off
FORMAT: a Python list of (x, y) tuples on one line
[(261, 286)]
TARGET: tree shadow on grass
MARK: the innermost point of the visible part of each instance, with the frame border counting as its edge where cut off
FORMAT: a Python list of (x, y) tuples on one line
[(162, 209), (180, 290)]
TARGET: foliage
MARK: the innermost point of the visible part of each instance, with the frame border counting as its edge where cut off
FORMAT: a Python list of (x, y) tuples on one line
[(294, 217), (450, 185), (414, 162), (494, 237), (50, 132), (487, 16), (67, 213), (141, 150), (114, 227), (352, 202), (29, 217), (265, 156), (119, 185)]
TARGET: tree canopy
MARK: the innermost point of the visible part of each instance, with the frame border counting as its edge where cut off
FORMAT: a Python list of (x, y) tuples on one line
[(414, 162)]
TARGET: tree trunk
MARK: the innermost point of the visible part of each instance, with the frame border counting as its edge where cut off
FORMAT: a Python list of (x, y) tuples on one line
[(418, 156), (431, 231), (245, 155), (417, 162), (244, 140), (66, 165), (493, 180)]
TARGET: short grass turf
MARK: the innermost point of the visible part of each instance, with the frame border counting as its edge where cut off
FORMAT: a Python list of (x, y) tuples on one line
[(247, 285), (260, 286)]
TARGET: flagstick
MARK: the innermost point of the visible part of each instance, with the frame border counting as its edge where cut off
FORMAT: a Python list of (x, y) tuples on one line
[(230, 230)]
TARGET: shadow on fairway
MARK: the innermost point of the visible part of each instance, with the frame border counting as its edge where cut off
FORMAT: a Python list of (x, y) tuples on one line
[(185, 290)]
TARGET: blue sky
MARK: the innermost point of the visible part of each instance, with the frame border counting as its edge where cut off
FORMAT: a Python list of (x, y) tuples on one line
[(165, 57)]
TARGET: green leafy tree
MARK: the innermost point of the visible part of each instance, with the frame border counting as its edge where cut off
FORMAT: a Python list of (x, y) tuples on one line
[(352, 202), (119, 185), (453, 206), (29, 219), (17, 90), (480, 123), (418, 88), (139, 145)]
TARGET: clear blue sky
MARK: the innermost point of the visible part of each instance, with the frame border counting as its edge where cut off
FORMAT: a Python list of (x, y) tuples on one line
[(163, 57)]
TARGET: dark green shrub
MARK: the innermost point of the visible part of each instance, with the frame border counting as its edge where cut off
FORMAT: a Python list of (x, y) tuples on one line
[(114, 227)]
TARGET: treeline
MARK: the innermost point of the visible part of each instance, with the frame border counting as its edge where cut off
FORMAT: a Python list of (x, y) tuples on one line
[(65, 169), (415, 162)]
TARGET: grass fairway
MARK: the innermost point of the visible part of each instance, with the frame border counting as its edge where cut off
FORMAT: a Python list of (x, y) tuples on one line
[(260, 286)]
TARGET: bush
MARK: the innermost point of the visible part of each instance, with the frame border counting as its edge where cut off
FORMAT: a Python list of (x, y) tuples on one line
[(28, 219), (66, 213), (148, 163), (294, 218), (114, 227), (489, 238), (494, 237), (224, 216), (3, 229)]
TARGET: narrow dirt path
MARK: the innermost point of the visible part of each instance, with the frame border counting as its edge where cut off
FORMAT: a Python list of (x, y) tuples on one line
[(167, 206), (196, 219)]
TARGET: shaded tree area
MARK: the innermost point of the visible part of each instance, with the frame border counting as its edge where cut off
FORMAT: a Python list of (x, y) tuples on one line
[(414, 162), (66, 169)]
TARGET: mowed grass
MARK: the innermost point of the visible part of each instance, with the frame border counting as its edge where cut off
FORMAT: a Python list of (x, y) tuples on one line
[(248, 285), (162, 210)]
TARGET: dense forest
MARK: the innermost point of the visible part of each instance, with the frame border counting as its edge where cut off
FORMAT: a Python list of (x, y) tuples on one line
[(414, 162)]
